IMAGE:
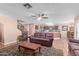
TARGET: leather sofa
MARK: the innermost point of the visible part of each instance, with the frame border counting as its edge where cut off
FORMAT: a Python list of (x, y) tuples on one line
[(74, 47), (44, 39)]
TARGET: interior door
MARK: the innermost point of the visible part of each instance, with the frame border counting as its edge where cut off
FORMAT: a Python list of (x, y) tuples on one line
[(0, 33), (1, 30)]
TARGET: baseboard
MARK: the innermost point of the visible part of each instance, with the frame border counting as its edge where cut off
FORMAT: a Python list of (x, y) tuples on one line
[(9, 43)]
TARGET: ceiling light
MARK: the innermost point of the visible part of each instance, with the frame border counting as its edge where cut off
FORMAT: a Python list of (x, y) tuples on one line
[(39, 18)]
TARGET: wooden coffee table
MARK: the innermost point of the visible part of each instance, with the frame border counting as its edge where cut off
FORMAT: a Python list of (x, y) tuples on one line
[(29, 47)]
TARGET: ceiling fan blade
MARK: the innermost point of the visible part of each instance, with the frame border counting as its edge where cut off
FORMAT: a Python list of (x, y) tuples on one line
[(33, 15), (45, 17), (27, 5)]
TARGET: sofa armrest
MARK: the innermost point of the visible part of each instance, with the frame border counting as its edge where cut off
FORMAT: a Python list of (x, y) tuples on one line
[(76, 49), (74, 40)]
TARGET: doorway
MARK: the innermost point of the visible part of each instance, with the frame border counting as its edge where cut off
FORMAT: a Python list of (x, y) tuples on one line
[(1, 34)]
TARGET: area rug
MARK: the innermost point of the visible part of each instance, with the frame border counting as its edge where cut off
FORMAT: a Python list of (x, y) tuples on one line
[(45, 51)]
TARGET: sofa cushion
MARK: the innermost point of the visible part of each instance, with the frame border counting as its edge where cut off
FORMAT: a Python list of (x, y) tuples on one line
[(46, 39), (42, 35), (36, 35), (36, 38), (49, 34)]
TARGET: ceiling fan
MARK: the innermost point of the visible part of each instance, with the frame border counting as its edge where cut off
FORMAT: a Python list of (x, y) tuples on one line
[(40, 16), (37, 16), (27, 5)]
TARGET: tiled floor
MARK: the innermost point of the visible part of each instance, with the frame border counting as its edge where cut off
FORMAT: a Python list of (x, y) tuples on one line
[(61, 44), (58, 44)]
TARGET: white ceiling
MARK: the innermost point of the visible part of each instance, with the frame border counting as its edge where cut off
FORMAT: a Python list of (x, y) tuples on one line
[(57, 12)]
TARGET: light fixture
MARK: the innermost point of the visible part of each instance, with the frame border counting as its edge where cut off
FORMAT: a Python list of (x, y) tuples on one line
[(39, 18), (27, 5)]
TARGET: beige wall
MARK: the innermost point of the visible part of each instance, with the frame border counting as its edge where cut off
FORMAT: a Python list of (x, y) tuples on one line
[(10, 31)]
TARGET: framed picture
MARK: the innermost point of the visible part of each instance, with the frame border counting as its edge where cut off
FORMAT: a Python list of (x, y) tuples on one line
[(64, 28)]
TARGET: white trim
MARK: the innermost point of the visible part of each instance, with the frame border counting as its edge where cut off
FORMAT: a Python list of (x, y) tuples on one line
[(10, 43)]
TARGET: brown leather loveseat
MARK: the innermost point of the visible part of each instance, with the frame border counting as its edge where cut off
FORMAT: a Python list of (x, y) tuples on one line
[(44, 39)]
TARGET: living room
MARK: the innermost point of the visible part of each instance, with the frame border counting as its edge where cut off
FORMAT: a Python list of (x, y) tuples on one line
[(47, 27)]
